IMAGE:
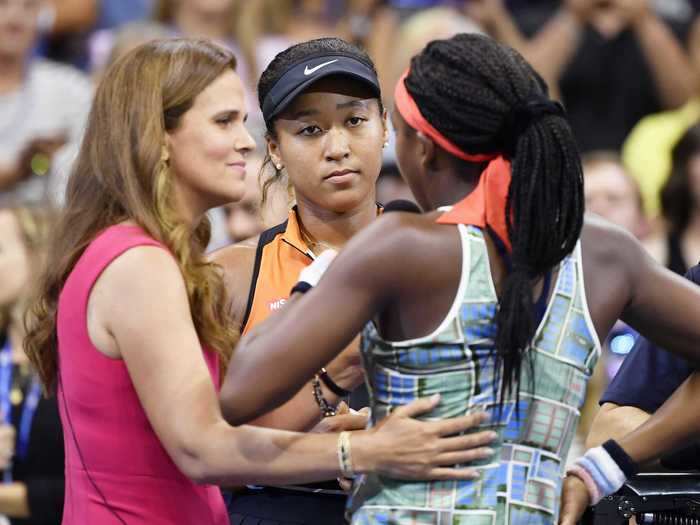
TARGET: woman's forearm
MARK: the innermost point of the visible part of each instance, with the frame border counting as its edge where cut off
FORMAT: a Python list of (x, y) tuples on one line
[(675, 425), (248, 454), (553, 47), (614, 422), (502, 27), (670, 66)]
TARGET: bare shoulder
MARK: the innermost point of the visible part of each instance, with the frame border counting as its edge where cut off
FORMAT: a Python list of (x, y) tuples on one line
[(615, 264), (147, 280), (237, 256), (403, 234), (139, 268), (606, 243), (399, 244)]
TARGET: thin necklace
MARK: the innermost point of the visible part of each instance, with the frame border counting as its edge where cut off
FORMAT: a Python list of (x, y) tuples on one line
[(314, 244)]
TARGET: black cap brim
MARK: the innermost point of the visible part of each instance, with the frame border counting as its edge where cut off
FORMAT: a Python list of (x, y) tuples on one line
[(302, 75)]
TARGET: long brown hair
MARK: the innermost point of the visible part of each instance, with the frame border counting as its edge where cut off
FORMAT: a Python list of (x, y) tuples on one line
[(120, 174), (677, 198)]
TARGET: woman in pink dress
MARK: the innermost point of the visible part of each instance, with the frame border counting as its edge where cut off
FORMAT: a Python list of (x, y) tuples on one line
[(130, 328)]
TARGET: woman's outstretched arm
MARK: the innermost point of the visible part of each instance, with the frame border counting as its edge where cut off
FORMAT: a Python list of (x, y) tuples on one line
[(275, 359), (152, 331)]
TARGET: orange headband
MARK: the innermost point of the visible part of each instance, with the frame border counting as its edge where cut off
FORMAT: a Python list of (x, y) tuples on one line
[(411, 114)]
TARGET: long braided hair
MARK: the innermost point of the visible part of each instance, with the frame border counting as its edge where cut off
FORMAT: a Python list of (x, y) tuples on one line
[(480, 94)]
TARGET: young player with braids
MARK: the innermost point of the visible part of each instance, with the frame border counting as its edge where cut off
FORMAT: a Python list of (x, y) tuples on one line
[(496, 298)]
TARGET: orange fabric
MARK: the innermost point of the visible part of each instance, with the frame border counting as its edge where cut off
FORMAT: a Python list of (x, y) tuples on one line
[(282, 260), (411, 114), (486, 204)]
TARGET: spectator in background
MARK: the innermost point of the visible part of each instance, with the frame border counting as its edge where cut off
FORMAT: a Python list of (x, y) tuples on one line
[(613, 61), (126, 38), (372, 25), (64, 25), (218, 20), (247, 217), (647, 150), (107, 45), (612, 193), (31, 441), (227, 22), (677, 245), (290, 21), (116, 13), (413, 35), (68, 16), (43, 106)]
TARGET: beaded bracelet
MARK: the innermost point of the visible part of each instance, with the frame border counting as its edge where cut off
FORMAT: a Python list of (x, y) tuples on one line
[(345, 455), (327, 410)]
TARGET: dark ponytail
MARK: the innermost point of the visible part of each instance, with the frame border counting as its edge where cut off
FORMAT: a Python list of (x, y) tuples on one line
[(486, 98)]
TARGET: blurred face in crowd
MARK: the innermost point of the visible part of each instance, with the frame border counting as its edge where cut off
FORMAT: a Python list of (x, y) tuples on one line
[(14, 261), (208, 148), (244, 218), (330, 141), (611, 193), (18, 27)]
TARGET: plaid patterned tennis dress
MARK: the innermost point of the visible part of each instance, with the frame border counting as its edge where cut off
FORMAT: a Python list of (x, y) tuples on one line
[(521, 483)]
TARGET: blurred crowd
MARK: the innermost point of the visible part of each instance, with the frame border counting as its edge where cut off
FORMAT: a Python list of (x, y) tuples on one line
[(627, 72)]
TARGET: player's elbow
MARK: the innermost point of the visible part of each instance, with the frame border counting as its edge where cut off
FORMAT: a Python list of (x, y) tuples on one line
[(614, 422)]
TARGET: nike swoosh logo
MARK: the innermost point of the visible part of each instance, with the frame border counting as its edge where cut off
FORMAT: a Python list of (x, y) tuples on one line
[(310, 71)]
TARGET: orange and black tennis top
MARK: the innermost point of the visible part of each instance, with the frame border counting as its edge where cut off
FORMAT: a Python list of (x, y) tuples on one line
[(281, 254)]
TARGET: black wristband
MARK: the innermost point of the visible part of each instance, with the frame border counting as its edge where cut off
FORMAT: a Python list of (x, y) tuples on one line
[(332, 385), (626, 463), (301, 287)]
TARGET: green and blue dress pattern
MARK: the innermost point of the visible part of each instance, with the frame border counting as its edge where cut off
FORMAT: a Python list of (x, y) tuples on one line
[(521, 483)]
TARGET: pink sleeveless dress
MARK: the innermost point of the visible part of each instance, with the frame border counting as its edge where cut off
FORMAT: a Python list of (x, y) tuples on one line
[(117, 471)]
